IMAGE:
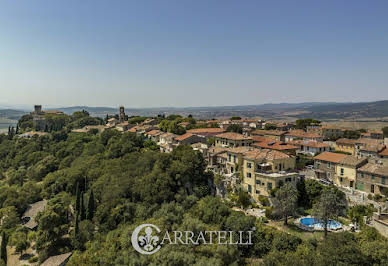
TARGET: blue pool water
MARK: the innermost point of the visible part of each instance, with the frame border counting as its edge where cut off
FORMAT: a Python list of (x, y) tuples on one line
[(312, 222)]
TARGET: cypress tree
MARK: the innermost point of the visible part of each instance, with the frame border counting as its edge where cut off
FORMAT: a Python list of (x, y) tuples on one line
[(76, 226), (82, 208), (90, 206), (17, 129), (78, 196), (3, 249), (9, 133)]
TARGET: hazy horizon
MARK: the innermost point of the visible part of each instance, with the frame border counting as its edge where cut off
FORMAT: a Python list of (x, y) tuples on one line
[(151, 54), (27, 107)]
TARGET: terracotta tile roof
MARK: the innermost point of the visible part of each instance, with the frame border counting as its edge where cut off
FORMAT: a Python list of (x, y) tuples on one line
[(272, 145), (184, 136), (134, 129), (217, 150), (374, 169), (384, 152), (352, 161), (154, 132), (295, 132), (330, 157), (241, 149), (206, 130), (366, 141), (346, 141), (303, 134), (265, 154), (261, 132), (233, 136), (307, 143), (168, 135), (373, 148)]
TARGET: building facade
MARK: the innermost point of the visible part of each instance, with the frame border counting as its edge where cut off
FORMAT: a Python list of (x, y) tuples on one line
[(231, 139), (346, 171), (325, 165), (373, 178)]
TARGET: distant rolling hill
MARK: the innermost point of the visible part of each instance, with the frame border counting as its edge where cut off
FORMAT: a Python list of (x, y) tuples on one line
[(9, 117), (377, 109), (11, 114), (318, 110)]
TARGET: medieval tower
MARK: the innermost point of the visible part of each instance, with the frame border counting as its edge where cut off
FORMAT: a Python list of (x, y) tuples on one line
[(122, 114)]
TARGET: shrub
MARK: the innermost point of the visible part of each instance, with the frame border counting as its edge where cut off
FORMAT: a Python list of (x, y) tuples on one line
[(254, 205), (264, 200), (33, 259), (378, 197)]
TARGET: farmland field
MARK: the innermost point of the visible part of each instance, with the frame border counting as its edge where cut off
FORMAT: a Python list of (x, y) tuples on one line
[(5, 123), (375, 125)]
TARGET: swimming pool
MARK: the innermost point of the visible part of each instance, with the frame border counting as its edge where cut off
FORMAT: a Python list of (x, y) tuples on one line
[(314, 223)]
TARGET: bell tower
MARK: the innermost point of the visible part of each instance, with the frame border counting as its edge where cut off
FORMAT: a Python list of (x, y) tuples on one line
[(122, 114)]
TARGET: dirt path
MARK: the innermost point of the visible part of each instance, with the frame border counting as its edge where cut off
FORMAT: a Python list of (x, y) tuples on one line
[(14, 258)]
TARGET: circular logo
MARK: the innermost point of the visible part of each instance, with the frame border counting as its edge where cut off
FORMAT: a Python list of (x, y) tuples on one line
[(145, 243)]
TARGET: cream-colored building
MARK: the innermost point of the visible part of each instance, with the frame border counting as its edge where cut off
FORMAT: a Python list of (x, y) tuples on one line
[(263, 170), (346, 171)]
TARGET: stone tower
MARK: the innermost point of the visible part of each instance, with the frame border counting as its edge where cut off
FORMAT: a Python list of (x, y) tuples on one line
[(38, 109), (122, 114)]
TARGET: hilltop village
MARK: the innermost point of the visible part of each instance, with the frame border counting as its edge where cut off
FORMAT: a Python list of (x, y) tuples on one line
[(262, 154), (252, 165)]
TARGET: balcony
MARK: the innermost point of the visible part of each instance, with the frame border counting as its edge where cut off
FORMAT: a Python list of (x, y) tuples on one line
[(276, 175)]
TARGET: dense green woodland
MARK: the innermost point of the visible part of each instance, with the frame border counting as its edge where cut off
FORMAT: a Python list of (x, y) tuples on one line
[(99, 187)]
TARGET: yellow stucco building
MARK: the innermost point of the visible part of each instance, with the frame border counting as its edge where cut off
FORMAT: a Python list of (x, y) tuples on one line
[(345, 145), (264, 170), (346, 171)]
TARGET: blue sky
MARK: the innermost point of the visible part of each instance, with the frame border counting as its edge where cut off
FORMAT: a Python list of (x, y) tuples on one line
[(192, 53)]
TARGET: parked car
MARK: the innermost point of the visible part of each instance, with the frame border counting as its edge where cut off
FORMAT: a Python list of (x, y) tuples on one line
[(326, 182)]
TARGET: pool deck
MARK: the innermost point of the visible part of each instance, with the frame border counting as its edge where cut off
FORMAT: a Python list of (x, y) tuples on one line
[(318, 228)]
